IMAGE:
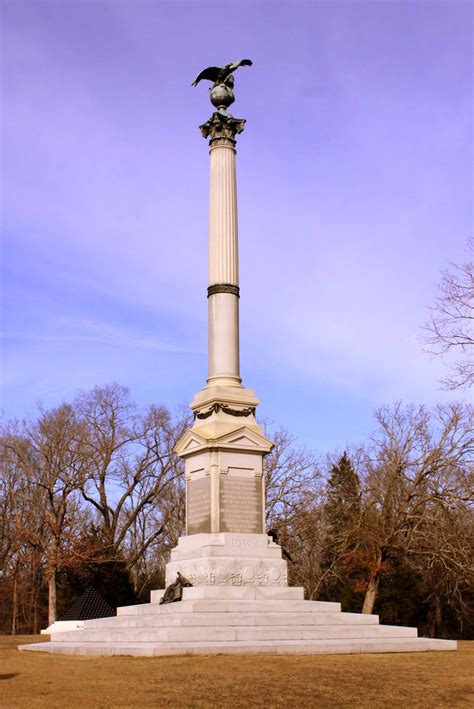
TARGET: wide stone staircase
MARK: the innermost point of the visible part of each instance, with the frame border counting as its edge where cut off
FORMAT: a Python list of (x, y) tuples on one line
[(233, 619)]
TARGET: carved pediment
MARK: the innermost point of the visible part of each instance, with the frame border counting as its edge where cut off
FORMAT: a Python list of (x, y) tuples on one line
[(190, 442), (245, 438)]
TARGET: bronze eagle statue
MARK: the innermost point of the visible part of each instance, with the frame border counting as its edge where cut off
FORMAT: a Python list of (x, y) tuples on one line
[(221, 74)]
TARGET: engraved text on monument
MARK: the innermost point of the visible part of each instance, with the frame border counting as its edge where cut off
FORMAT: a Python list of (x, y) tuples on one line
[(198, 506), (240, 503)]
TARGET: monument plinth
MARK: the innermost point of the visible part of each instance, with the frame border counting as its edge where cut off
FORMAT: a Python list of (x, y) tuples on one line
[(223, 451)]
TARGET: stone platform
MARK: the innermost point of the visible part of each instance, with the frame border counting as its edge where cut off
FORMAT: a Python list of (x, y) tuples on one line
[(214, 620)]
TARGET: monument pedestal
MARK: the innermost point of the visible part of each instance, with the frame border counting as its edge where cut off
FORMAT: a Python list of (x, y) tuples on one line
[(223, 452), (226, 559)]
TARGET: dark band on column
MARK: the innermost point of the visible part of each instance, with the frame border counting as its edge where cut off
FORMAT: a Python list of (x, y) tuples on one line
[(223, 288)]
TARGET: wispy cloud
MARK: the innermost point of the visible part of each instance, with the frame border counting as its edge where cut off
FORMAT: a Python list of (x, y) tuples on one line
[(354, 191)]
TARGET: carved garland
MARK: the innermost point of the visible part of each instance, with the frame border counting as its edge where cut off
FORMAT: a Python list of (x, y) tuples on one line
[(215, 408), (233, 572)]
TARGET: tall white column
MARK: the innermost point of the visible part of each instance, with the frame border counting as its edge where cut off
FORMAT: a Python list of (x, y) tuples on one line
[(223, 291), (223, 357), (223, 246), (224, 449)]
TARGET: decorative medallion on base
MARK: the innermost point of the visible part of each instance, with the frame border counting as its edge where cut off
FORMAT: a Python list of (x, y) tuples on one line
[(230, 572)]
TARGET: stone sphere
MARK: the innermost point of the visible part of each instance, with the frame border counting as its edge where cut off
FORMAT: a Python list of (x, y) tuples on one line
[(222, 95)]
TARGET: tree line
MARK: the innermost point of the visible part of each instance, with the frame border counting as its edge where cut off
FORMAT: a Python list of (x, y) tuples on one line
[(91, 493)]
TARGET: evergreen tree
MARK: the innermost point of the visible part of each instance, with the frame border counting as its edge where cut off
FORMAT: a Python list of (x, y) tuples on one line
[(340, 568), (343, 495)]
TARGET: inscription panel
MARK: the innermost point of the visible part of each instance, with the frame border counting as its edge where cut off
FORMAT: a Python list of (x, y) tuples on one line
[(240, 504), (198, 506)]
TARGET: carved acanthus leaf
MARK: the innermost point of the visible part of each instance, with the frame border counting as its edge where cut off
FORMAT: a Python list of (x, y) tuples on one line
[(222, 126)]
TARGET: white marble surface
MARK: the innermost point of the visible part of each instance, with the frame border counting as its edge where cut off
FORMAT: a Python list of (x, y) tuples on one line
[(61, 626), (237, 620)]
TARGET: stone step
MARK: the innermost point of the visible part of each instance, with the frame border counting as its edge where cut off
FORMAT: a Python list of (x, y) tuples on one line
[(238, 593), (157, 620), (232, 634), (222, 606), (280, 647), (221, 619)]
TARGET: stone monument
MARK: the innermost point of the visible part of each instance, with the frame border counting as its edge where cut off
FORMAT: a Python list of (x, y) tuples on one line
[(225, 541), (239, 601)]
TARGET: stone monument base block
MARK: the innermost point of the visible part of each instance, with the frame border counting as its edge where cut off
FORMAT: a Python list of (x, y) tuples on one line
[(242, 593), (228, 559)]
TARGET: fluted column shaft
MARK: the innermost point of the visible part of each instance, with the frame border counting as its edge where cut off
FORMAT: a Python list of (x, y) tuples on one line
[(223, 291), (223, 247)]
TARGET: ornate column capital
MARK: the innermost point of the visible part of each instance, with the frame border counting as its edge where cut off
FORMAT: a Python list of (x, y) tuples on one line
[(222, 128)]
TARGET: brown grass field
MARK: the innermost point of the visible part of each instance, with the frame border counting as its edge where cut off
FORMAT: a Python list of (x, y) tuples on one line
[(436, 679)]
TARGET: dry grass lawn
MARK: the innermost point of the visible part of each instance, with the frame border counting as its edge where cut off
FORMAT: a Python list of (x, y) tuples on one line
[(428, 680)]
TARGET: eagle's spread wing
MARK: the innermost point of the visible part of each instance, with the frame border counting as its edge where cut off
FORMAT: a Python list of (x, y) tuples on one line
[(235, 65), (211, 74)]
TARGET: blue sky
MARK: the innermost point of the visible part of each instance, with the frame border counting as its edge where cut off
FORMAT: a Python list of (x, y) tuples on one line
[(354, 186)]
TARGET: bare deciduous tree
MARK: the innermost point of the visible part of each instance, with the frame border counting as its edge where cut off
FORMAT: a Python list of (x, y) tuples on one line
[(418, 462), (50, 456), (132, 465), (451, 325), (289, 472), (444, 555)]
